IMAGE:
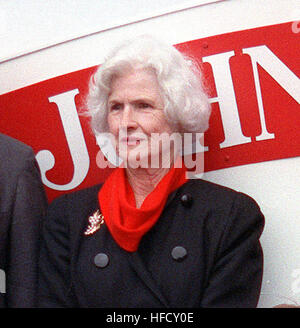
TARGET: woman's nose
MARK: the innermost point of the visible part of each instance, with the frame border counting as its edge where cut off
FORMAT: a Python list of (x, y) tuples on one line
[(128, 118)]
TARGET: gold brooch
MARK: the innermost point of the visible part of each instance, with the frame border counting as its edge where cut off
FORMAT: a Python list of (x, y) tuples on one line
[(95, 222)]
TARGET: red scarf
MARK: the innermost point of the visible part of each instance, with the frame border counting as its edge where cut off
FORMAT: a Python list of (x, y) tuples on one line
[(126, 223)]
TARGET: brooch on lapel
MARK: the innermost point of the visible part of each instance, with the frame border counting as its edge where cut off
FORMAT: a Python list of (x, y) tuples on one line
[(95, 222)]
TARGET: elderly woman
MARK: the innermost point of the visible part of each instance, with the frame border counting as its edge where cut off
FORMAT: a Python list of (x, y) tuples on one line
[(150, 237)]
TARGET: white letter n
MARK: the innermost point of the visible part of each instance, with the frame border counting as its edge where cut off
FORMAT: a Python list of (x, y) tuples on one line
[(279, 71)]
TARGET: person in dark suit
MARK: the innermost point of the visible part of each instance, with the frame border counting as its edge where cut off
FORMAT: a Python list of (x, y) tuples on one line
[(149, 236), (22, 205)]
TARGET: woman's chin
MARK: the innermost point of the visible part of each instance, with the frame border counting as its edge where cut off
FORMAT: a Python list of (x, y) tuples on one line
[(135, 159)]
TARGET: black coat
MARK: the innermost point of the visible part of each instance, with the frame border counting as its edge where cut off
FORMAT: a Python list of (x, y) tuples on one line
[(22, 205), (218, 263)]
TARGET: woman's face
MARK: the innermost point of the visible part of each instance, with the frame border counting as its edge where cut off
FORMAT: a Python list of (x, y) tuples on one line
[(135, 116)]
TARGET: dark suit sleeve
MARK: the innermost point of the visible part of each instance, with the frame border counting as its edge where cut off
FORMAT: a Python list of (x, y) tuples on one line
[(29, 207), (235, 278), (54, 266)]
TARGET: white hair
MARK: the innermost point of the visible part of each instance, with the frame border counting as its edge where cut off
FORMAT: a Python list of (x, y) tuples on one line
[(186, 103)]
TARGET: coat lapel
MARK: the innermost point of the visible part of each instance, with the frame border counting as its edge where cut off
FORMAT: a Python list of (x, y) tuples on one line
[(138, 265)]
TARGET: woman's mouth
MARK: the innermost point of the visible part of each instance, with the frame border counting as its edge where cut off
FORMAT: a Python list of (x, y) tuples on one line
[(131, 141)]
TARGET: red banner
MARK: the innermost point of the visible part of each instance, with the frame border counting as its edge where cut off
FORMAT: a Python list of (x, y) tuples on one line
[(253, 78)]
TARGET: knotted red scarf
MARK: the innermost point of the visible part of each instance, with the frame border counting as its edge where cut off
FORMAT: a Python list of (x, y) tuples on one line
[(127, 223)]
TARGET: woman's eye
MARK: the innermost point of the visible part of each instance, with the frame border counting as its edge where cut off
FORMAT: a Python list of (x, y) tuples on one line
[(144, 105), (115, 107)]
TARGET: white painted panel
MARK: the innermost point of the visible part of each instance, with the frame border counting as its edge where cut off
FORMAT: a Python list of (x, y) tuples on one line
[(202, 21), (32, 25)]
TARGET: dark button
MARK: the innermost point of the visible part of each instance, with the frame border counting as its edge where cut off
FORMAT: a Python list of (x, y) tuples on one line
[(187, 200), (179, 253), (101, 260)]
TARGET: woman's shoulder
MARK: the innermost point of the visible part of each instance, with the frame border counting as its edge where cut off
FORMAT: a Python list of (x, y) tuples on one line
[(74, 204), (67, 213), (216, 194), (204, 188), (224, 209), (81, 195)]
